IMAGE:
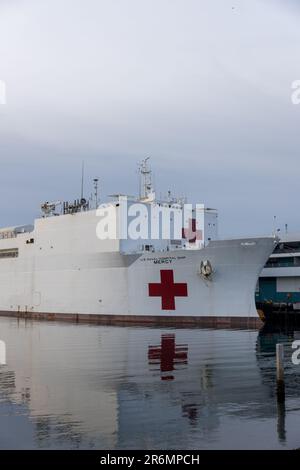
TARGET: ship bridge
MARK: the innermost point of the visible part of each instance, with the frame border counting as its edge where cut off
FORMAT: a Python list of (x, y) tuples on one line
[(12, 232)]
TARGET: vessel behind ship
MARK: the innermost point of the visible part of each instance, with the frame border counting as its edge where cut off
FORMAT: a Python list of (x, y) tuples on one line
[(278, 289)]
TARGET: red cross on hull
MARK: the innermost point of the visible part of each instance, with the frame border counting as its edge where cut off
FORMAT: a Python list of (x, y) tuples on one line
[(167, 289)]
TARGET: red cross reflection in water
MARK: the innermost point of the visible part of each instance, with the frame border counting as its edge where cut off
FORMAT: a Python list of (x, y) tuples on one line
[(167, 356)]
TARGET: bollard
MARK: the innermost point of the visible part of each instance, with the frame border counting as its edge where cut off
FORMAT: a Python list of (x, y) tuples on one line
[(280, 373), (2, 353)]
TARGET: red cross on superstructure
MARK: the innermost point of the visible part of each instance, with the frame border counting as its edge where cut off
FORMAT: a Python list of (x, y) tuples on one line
[(190, 233), (167, 289)]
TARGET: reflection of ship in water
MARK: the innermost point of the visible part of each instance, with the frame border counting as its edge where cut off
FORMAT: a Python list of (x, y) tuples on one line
[(270, 335), (220, 377), (267, 339), (111, 387), (167, 356), (55, 373)]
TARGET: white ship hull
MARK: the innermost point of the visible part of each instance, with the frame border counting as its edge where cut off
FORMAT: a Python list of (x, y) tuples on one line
[(65, 273)]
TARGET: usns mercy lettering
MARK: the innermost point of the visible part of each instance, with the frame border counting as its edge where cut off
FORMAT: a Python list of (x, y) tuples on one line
[(62, 268)]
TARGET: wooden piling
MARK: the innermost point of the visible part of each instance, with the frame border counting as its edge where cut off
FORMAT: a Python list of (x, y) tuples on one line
[(2, 353), (280, 373)]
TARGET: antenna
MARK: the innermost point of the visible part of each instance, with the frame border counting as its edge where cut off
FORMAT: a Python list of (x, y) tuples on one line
[(96, 180), (82, 179), (274, 225)]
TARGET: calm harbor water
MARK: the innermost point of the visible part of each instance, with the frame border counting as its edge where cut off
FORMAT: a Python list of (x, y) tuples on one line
[(67, 386)]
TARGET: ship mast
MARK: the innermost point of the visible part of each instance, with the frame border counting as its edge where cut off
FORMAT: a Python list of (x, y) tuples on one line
[(147, 192)]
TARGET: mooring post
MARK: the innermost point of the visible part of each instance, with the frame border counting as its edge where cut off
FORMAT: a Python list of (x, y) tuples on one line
[(2, 353), (280, 372)]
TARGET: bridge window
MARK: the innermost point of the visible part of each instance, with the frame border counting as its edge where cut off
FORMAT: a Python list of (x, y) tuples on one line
[(9, 253), (283, 262), (288, 247)]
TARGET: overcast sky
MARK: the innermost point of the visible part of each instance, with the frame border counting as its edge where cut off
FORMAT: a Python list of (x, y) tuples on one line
[(203, 87)]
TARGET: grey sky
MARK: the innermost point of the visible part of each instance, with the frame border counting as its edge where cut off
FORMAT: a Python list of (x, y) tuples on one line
[(204, 87)]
